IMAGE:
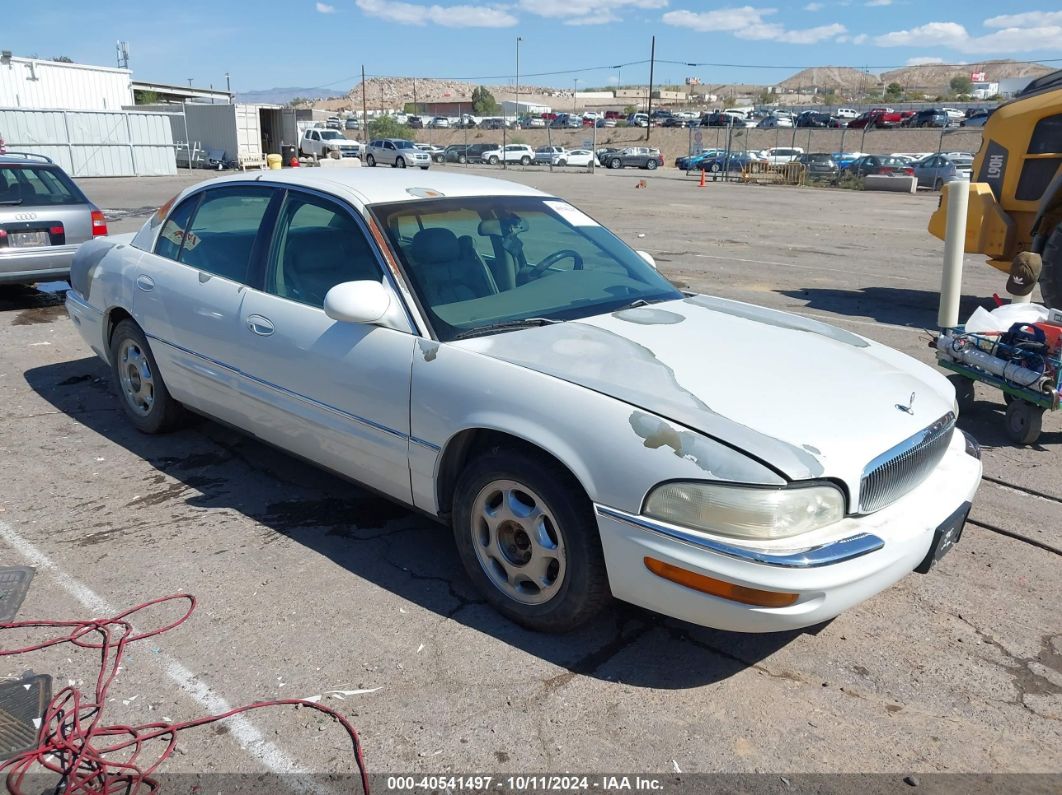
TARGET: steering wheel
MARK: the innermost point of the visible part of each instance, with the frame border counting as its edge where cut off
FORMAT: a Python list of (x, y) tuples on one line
[(552, 259)]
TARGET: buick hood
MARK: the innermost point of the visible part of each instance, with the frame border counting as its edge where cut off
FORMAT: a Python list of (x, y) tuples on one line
[(808, 399)]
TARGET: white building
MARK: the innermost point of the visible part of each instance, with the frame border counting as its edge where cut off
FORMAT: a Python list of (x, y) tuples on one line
[(36, 83), (984, 89), (509, 108)]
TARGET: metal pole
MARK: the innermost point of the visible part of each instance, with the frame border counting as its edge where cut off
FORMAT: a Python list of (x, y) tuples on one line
[(649, 99), (958, 198), (574, 92), (516, 111), (228, 86), (593, 148), (415, 97)]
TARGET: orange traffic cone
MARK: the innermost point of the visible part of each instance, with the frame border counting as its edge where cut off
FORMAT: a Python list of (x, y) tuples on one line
[(702, 179)]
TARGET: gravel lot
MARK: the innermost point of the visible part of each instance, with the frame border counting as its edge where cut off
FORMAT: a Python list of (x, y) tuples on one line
[(306, 584)]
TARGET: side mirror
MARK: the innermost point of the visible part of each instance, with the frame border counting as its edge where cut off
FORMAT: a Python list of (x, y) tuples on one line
[(357, 302), (647, 257)]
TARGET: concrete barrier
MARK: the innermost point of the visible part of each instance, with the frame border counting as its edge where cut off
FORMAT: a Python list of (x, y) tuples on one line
[(346, 162), (890, 182)]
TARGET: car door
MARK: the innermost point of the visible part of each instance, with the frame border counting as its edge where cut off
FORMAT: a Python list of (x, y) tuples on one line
[(187, 293), (332, 392)]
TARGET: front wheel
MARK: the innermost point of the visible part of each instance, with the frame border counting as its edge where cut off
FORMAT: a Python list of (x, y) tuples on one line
[(144, 397), (493, 160), (651, 165), (462, 159), (617, 163), (562, 162), (400, 162), (525, 161), (715, 168), (526, 535), (370, 161)]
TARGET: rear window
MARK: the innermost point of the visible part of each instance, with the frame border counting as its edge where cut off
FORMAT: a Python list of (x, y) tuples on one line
[(37, 186)]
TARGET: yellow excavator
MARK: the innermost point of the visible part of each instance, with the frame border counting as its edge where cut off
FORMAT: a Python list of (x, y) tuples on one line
[(1016, 190)]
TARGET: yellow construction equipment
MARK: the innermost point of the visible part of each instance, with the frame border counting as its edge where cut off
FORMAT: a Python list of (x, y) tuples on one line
[(1016, 191)]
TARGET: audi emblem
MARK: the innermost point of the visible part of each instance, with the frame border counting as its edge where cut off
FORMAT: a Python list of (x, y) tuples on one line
[(25, 216)]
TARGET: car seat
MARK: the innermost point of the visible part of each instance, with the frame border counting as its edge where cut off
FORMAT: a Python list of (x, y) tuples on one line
[(447, 269)]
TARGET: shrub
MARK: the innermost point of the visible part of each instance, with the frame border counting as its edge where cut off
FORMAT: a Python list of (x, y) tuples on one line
[(387, 127)]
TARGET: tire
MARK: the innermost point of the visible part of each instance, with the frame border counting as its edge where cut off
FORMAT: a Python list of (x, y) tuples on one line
[(423, 168), (370, 161), (715, 168), (141, 391), (938, 183), (400, 162), (964, 392), (493, 160), (1023, 422), (525, 161), (462, 159), (562, 162), (651, 165), (1051, 272), (568, 548), (615, 163)]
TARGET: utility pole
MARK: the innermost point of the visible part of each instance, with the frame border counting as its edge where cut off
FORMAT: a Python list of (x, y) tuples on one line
[(516, 113), (649, 100), (228, 86), (415, 96), (364, 105), (575, 98)]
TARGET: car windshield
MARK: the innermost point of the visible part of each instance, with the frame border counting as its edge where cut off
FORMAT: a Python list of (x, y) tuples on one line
[(481, 261), (37, 186), (331, 135)]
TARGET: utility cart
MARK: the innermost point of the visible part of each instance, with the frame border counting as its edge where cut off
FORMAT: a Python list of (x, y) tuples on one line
[(1024, 363)]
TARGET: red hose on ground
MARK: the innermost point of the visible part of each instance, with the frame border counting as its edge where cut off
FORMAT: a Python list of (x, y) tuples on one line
[(97, 759)]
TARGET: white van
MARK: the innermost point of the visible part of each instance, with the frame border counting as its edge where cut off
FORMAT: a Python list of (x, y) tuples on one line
[(780, 155)]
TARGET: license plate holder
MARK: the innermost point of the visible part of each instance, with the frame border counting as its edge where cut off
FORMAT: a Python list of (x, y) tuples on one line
[(945, 537), (29, 239)]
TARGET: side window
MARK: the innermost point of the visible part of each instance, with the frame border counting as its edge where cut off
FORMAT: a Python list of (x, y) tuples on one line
[(317, 245), (1047, 136), (170, 238), (223, 231)]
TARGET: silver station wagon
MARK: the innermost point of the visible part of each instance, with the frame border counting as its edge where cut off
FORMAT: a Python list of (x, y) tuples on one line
[(493, 357)]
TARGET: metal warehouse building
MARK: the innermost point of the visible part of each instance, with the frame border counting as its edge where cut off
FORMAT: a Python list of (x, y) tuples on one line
[(73, 114), (36, 83)]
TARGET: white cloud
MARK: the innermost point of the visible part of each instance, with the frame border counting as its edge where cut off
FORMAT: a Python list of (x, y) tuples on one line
[(877, 3), (924, 60), (1005, 40), (814, 7), (459, 16), (1027, 19), (862, 38), (585, 12), (747, 22), (324, 8)]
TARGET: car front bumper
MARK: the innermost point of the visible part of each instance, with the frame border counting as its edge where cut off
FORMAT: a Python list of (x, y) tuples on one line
[(28, 265), (865, 555)]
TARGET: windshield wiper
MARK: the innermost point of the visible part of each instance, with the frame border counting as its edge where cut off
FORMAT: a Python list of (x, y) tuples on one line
[(638, 302), (509, 325)]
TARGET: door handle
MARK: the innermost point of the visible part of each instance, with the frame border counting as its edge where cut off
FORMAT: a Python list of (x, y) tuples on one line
[(145, 283), (262, 326)]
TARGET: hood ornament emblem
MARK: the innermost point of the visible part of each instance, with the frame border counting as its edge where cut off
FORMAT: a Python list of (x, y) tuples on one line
[(909, 408)]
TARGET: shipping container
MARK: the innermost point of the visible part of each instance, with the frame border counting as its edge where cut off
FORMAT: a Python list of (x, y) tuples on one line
[(36, 83), (244, 133)]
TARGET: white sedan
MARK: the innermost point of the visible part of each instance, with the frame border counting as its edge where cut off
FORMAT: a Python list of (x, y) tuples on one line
[(577, 157), (492, 356)]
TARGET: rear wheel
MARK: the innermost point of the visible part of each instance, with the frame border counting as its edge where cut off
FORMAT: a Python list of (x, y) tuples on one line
[(1023, 422), (651, 165), (616, 163), (144, 397), (526, 535), (1051, 271), (525, 161), (370, 161)]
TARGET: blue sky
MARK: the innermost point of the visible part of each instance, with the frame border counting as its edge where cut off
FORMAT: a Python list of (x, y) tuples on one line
[(305, 43)]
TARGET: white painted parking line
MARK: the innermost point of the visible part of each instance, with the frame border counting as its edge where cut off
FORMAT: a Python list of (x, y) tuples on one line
[(245, 733)]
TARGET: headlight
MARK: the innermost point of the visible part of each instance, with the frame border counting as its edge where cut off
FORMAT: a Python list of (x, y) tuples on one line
[(744, 512)]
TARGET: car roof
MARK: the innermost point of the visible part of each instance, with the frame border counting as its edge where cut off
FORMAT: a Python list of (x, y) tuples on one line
[(375, 186)]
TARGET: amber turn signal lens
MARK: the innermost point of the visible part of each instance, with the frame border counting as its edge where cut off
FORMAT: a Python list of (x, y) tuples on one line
[(720, 588)]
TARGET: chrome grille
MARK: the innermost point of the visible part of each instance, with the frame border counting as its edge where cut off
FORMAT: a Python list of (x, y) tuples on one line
[(900, 469)]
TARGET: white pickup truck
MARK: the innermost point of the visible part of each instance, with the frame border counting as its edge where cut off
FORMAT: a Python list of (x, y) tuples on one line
[(321, 142)]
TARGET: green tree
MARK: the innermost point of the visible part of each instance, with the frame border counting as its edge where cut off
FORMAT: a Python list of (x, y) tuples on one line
[(387, 127), (296, 101), (830, 97), (483, 102), (63, 59), (629, 109), (763, 98), (145, 97), (961, 84), (893, 90)]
